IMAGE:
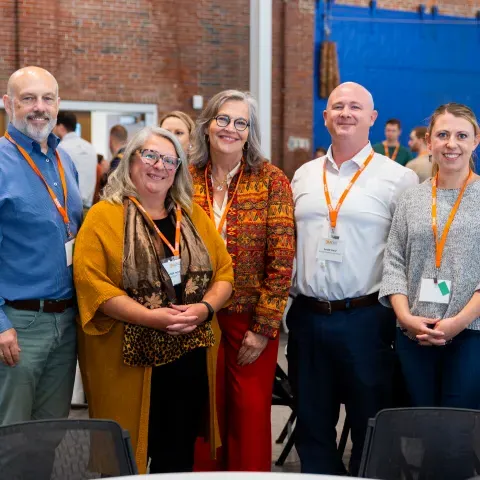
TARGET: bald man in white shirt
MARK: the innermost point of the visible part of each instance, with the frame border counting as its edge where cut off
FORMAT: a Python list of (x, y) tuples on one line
[(340, 337)]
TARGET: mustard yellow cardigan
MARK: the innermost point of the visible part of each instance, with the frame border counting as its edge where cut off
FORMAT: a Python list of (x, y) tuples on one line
[(115, 390)]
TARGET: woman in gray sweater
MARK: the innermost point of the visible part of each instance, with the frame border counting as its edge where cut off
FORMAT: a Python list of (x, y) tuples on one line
[(431, 274)]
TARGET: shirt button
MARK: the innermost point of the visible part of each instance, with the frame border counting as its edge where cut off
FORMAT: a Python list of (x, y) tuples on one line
[(322, 265), (55, 184), (48, 160)]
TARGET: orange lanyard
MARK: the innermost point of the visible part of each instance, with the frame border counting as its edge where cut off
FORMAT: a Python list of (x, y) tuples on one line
[(395, 152), (333, 213), (229, 204), (62, 210), (175, 251), (440, 245)]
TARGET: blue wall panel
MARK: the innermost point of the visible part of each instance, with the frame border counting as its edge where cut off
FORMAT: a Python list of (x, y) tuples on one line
[(410, 65)]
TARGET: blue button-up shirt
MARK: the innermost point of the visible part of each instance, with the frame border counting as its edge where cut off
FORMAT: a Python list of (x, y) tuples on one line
[(33, 262)]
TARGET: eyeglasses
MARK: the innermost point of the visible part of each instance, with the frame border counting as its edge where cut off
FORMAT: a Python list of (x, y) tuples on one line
[(152, 157), (239, 123)]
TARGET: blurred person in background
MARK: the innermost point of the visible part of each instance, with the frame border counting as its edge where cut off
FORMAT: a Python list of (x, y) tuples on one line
[(181, 125), (391, 147), (81, 152), (250, 203), (116, 142), (422, 163)]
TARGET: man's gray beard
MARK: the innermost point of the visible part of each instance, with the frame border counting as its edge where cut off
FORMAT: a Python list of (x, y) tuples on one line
[(39, 135)]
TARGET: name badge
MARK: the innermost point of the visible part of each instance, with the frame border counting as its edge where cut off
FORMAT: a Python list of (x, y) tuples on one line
[(331, 249), (69, 251), (173, 267), (435, 292)]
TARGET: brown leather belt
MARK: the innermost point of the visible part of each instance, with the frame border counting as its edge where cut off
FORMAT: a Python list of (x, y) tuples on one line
[(49, 306), (327, 308)]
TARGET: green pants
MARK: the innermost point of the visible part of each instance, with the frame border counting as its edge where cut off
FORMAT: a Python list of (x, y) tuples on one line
[(40, 386)]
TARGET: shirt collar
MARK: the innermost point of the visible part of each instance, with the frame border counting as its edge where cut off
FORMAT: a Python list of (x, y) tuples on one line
[(233, 172), (28, 143), (359, 158), (68, 136)]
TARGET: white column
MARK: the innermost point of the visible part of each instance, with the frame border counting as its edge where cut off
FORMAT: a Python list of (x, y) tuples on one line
[(261, 66)]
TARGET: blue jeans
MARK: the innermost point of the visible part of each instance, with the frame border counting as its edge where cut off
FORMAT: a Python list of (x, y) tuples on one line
[(40, 386), (447, 376), (346, 357)]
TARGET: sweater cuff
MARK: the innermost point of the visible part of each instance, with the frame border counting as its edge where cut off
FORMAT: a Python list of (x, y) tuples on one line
[(265, 330)]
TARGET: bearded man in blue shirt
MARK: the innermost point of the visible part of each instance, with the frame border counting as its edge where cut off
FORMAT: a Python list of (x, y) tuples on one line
[(40, 213)]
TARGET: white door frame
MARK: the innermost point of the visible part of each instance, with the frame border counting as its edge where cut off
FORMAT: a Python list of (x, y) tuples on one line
[(100, 111)]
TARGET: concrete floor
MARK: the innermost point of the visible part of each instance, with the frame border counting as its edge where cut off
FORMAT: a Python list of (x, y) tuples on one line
[(280, 415)]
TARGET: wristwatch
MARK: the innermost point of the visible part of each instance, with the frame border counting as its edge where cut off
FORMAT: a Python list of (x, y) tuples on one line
[(211, 311)]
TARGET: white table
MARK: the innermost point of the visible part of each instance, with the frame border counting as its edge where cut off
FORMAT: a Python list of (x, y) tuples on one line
[(235, 476)]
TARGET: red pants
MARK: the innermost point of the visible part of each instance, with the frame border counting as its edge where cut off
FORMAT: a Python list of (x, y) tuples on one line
[(244, 399)]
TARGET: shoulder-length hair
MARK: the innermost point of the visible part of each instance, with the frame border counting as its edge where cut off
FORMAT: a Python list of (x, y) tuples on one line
[(120, 183), (200, 152)]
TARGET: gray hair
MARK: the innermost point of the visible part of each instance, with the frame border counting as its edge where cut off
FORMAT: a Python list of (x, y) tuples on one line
[(200, 152), (120, 184)]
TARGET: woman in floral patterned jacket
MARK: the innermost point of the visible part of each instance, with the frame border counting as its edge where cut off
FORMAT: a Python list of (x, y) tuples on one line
[(250, 202)]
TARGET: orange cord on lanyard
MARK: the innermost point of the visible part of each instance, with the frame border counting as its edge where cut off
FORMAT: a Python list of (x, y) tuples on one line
[(439, 245), (395, 152), (175, 251), (333, 212), (62, 210)]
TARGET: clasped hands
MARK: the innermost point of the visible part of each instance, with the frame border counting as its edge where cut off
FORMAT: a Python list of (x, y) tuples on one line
[(179, 319), (432, 332)]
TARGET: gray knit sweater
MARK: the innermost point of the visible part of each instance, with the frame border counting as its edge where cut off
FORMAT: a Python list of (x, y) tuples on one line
[(410, 251)]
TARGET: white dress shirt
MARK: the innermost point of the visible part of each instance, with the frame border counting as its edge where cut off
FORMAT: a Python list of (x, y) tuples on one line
[(84, 157), (363, 223), (219, 210)]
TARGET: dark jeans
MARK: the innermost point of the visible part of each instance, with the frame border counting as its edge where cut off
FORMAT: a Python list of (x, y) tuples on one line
[(346, 357), (447, 376), (178, 403)]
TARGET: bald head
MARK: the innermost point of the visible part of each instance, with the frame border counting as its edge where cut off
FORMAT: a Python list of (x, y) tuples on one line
[(349, 115), (354, 89), (28, 75), (32, 102)]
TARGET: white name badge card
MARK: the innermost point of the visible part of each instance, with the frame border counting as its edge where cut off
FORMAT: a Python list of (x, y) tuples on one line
[(435, 292), (69, 251), (173, 267), (331, 249)]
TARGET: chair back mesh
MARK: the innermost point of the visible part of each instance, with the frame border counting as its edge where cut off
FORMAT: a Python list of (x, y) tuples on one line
[(64, 450), (424, 444)]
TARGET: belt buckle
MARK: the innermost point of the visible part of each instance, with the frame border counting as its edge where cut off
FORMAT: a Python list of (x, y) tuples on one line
[(329, 307)]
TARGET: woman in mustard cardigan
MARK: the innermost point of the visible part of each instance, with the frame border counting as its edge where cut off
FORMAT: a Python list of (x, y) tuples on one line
[(150, 273)]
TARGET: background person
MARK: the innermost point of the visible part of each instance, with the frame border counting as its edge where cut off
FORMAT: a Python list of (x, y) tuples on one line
[(391, 146), (422, 163), (81, 152), (181, 125)]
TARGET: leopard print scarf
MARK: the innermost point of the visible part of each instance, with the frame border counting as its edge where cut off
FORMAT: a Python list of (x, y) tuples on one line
[(147, 282)]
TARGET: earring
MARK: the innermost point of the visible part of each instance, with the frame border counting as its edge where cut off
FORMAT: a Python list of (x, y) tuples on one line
[(245, 146), (430, 158)]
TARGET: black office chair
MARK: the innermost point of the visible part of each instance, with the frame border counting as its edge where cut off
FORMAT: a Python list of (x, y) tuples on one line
[(65, 449), (282, 395), (422, 444)]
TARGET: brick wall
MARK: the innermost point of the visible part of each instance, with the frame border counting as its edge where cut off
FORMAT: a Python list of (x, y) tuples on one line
[(460, 8), (147, 51)]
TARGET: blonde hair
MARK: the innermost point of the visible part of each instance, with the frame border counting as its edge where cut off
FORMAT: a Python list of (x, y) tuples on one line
[(120, 183), (457, 110), (200, 152), (186, 119)]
